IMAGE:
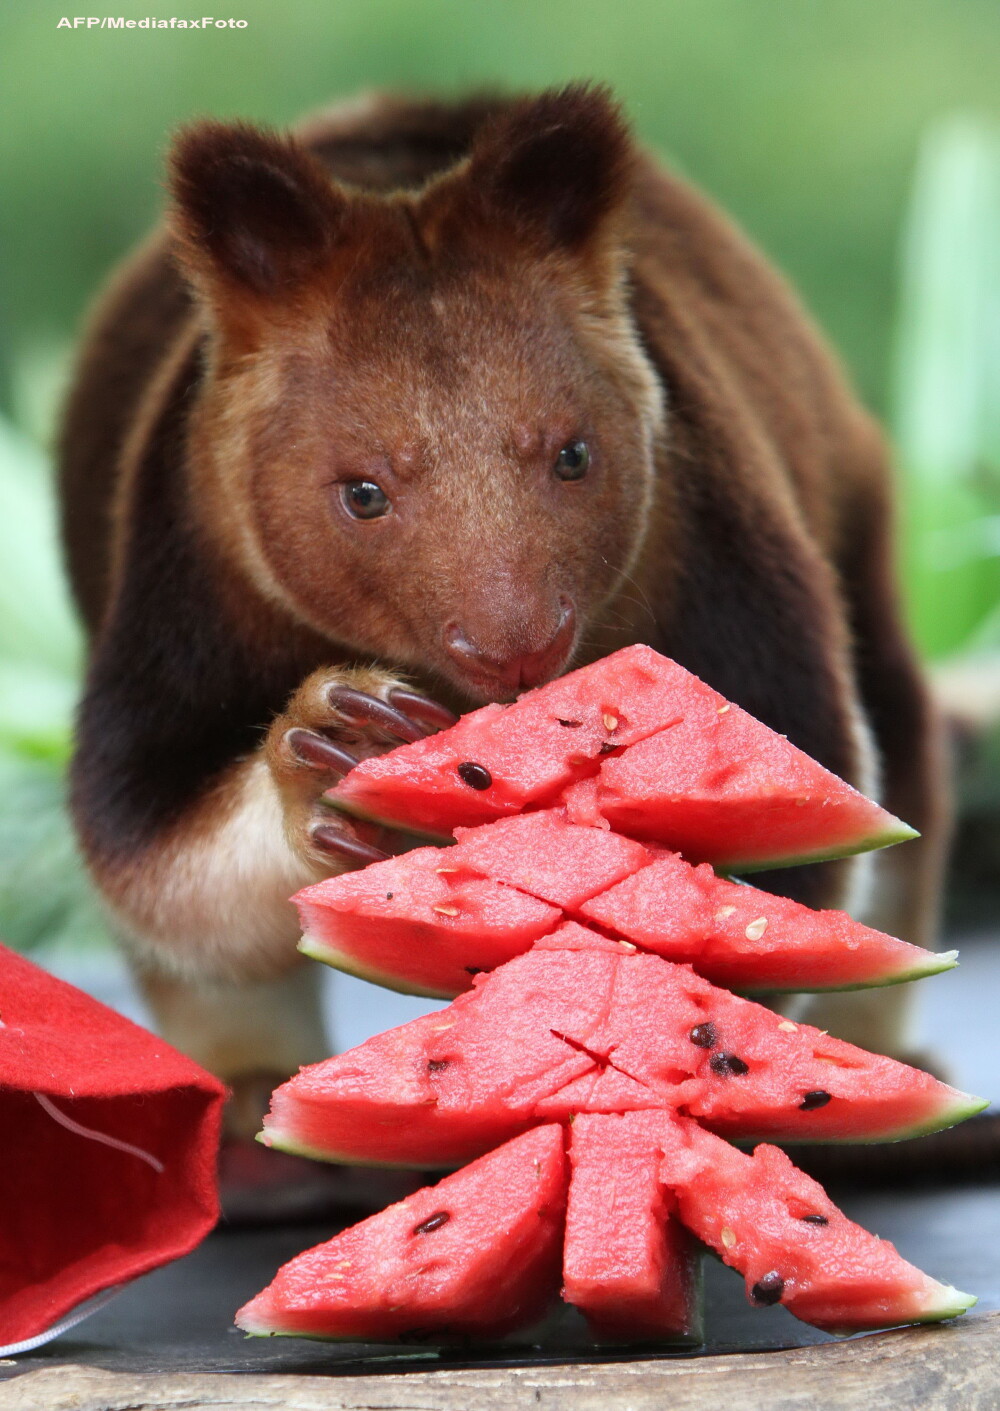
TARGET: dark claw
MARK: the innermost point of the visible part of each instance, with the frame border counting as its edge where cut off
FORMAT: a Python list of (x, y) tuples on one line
[(329, 840), (357, 706), (439, 717), (315, 749)]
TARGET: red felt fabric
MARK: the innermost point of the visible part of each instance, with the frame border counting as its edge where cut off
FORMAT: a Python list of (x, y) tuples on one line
[(77, 1216)]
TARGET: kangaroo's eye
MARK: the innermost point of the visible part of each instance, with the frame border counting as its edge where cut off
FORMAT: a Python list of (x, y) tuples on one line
[(363, 499), (573, 461)]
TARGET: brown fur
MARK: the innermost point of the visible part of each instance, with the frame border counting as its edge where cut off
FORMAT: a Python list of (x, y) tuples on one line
[(478, 285)]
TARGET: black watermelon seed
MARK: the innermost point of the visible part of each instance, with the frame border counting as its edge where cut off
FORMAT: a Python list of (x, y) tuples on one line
[(435, 1065), (477, 776), (570, 724), (727, 1065), (817, 1098), (608, 747), (475, 970), (768, 1289), (434, 1222), (814, 1219), (704, 1035), (388, 896)]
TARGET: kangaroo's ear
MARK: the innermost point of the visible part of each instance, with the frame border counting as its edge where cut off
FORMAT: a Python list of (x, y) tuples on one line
[(554, 167), (253, 213)]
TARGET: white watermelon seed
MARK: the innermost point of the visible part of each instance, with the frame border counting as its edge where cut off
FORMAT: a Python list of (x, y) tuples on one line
[(728, 1237), (724, 911), (446, 910), (756, 929), (611, 722), (723, 708), (787, 1027)]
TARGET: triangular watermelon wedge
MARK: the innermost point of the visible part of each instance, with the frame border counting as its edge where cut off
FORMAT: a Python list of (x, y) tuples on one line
[(673, 762), (430, 921), (742, 938), (565, 1027), (476, 1255), (782, 1232), (420, 923), (721, 787)]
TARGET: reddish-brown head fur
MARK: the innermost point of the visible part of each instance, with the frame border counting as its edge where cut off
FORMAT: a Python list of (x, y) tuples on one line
[(442, 345)]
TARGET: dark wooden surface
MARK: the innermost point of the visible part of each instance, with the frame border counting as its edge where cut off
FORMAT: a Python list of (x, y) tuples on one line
[(951, 1368)]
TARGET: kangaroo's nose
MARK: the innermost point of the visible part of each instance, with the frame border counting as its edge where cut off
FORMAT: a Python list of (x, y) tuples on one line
[(515, 672)]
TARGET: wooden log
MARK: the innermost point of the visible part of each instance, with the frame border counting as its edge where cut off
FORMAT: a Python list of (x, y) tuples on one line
[(934, 1368)]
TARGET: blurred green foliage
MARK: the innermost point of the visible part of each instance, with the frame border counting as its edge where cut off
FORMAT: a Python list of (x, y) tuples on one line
[(826, 127), (947, 393), (803, 117)]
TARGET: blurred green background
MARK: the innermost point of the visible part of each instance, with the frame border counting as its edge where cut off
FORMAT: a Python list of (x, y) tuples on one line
[(857, 140)]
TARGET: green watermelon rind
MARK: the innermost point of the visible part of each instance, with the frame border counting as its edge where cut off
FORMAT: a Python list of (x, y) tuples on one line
[(898, 832), (937, 962), (945, 1117), (350, 1338), (953, 1303), (274, 1138), (888, 837), (950, 1303), (319, 950)]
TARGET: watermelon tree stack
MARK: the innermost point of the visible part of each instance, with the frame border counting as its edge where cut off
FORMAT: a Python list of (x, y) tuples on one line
[(596, 1063)]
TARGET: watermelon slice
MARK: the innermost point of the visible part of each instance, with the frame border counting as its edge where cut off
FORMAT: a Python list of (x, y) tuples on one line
[(780, 1229), (585, 1023), (721, 787), (674, 762), (742, 938), (430, 921), (478, 1254), (628, 1265), (418, 923)]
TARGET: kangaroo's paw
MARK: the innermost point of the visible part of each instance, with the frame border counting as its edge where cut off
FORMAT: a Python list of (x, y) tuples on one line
[(338, 716)]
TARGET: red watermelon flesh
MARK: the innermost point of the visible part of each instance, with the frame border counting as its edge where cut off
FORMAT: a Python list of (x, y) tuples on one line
[(780, 1229), (548, 857), (581, 1023), (628, 1264), (742, 938), (529, 750), (419, 923), (721, 787), (478, 1254)]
